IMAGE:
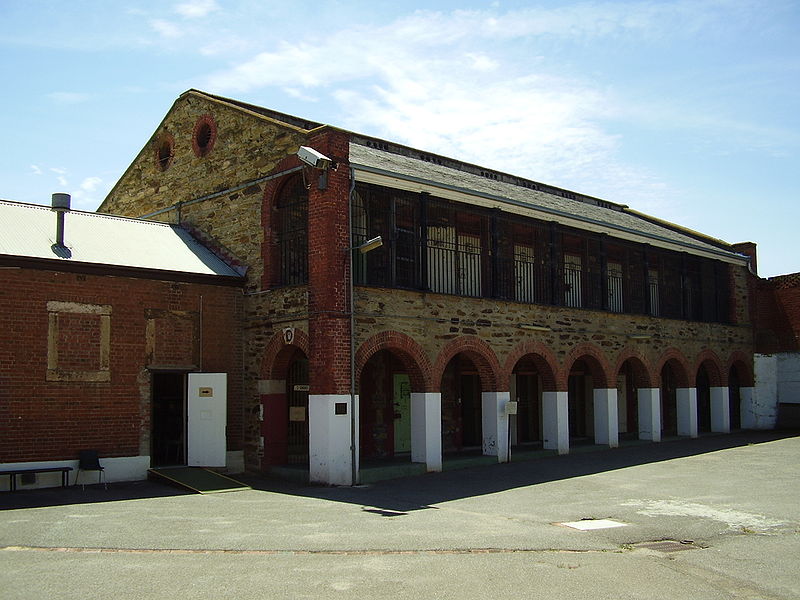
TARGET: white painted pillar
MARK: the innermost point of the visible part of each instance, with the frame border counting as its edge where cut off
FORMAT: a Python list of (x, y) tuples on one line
[(720, 410), (686, 400), (330, 457), (649, 401), (606, 422), (555, 417), (747, 396), (426, 429), (494, 421)]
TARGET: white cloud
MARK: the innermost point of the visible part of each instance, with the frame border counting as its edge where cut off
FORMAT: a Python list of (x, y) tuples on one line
[(89, 194), (166, 28), (36, 170), (89, 184), (61, 176), (482, 85), (196, 8)]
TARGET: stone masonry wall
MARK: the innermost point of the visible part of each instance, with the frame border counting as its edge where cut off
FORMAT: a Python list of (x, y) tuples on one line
[(436, 320)]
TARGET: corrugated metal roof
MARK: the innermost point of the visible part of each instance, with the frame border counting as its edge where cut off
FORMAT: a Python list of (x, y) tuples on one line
[(29, 230), (536, 203)]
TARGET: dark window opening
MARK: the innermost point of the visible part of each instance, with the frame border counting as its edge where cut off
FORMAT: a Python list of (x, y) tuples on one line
[(446, 247)]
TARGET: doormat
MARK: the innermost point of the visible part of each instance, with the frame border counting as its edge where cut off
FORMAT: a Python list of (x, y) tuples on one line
[(200, 480)]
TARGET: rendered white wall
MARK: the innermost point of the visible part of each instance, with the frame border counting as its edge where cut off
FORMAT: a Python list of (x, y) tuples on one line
[(330, 458), (555, 419), (426, 429), (606, 423), (687, 411), (495, 424), (649, 400), (760, 410), (125, 468)]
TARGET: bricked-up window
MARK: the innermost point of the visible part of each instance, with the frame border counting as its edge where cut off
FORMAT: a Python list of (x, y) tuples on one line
[(291, 212), (447, 247)]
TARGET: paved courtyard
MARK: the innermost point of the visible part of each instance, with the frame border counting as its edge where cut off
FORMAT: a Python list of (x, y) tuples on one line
[(726, 508)]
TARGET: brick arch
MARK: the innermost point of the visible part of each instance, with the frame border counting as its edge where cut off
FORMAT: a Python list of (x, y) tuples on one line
[(411, 354), (479, 352), (543, 358), (708, 359), (679, 364), (643, 376), (742, 363), (278, 354), (595, 359)]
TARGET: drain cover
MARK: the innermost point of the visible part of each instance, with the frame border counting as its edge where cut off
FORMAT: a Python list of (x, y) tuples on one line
[(591, 524), (668, 545)]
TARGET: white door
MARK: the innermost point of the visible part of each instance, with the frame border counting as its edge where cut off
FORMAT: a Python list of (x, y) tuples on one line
[(206, 418)]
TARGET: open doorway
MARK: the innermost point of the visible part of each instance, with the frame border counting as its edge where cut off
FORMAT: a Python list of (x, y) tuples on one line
[(168, 419)]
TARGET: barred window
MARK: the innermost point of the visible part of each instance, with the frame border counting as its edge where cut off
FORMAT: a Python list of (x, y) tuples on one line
[(441, 246), (291, 210)]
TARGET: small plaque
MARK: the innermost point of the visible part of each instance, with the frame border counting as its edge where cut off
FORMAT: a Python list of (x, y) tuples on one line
[(511, 408), (340, 408), (297, 413), (206, 392), (301, 388)]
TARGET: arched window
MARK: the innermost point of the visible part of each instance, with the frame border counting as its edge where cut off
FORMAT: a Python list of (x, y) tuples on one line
[(291, 229)]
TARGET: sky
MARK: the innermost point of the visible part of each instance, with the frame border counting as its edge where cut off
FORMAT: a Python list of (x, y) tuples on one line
[(687, 110)]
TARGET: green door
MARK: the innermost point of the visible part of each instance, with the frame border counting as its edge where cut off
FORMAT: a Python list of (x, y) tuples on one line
[(402, 413)]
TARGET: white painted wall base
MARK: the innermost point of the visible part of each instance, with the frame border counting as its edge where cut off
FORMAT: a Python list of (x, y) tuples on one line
[(555, 417), (330, 458), (495, 424), (720, 410), (649, 401), (761, 410), (126, 468), (606, 421), (426, 429), (687, 411)]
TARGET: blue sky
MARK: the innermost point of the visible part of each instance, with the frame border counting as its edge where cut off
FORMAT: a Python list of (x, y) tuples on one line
[(686, 110)]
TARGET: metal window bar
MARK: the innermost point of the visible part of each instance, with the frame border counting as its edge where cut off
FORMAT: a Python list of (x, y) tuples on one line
[(293, 241), (615, 287)]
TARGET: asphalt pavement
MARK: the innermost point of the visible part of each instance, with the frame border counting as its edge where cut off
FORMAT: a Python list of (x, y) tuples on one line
[(708, 518)]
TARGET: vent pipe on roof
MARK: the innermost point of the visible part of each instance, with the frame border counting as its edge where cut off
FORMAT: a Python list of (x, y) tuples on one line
[(60, 204)]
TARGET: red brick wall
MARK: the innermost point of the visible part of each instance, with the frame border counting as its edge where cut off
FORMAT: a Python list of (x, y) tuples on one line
[(329, 323), (59, 393), (777, 314)]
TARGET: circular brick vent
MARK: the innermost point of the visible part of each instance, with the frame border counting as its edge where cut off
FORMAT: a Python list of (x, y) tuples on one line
[(204, 135)]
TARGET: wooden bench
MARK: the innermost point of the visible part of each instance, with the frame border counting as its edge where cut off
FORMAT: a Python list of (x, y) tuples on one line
[(12, 474)]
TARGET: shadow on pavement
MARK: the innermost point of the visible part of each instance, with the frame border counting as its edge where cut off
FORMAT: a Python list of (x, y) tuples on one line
[(393, 498), (396, 497), (58, 496)]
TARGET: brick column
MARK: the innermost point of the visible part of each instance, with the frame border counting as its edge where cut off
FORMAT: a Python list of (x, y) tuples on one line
[(329, 319)]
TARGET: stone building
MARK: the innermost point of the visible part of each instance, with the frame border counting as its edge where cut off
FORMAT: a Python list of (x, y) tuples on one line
[(494, 313)]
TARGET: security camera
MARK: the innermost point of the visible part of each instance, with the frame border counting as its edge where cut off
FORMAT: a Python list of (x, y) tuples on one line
[(313, 158)]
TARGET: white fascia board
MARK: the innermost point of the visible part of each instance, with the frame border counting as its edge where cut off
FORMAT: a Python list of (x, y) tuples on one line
[(367, 174)]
